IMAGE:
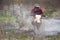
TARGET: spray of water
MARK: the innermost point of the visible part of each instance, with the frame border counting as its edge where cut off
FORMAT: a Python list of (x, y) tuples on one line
[(48, 26)]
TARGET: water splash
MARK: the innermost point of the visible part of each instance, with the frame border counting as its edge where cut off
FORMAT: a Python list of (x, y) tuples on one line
[(48, 26)]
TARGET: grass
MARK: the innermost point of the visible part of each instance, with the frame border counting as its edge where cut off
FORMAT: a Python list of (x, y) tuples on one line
[(7, 18), (21, 36), (18, 36), (49, 12)]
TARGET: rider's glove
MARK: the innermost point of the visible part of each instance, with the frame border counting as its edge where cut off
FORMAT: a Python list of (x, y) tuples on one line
[(44, 16)]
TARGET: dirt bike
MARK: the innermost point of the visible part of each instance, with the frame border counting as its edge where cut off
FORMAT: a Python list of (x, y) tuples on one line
[(37, 20)]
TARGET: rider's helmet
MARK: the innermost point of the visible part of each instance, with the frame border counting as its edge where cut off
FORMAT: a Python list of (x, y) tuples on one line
[(37, 5)]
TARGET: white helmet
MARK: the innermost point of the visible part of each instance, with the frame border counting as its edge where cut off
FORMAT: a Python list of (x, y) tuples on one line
[(37, 5)]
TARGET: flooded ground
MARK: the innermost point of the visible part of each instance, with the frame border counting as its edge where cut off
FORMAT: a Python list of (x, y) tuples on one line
[(23, 29), (49, 27)]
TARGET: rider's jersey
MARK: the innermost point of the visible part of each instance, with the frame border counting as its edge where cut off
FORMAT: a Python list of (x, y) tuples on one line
[(37, 11)]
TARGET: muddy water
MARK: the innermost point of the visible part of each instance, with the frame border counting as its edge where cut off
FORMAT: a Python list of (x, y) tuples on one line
[(48, 26)]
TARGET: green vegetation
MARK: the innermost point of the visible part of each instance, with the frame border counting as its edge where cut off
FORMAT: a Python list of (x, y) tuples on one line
[(49, 12), (7, 17), (18, 36), (22, 36)]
